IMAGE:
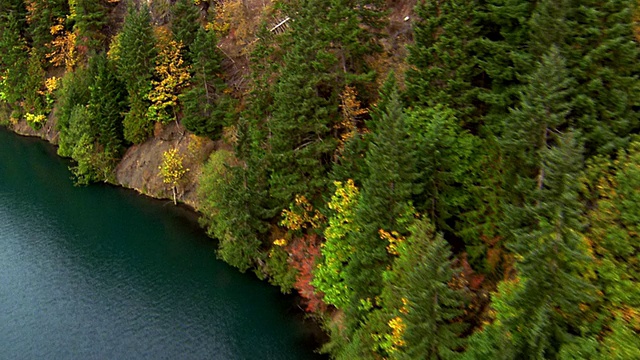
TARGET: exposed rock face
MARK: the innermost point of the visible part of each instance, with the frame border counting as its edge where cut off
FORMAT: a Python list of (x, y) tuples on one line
[(48, 131), (139, 168)]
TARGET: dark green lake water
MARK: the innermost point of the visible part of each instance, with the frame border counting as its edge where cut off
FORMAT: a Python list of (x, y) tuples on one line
[(99, 272)]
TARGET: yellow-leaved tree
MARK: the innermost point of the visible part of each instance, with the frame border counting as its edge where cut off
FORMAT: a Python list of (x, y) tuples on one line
[(173, 75), (172, 170)]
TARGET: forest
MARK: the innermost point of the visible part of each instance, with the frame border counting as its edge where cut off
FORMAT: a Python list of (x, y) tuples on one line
[(459, 183)]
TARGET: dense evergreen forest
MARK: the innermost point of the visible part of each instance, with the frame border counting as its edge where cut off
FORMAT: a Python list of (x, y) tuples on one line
[(468, 187)]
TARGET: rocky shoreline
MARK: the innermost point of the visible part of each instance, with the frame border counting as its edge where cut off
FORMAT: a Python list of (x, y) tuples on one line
[(138, 168)]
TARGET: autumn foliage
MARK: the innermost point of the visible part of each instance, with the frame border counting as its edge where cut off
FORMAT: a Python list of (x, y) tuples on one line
[(303, 256)]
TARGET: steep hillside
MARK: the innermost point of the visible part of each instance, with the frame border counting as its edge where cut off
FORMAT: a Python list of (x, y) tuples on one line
[(436, 179)]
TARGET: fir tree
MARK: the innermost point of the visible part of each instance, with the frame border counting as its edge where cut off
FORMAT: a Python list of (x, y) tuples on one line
[(327, 51), (427, 305), (232, 194), (384, 204), (135, 68), (604, 61), (503, 55), (541, 312), (73, 93), (553, 257), (612, 235), (107, 104), (14, 60), (185, 25), (545, 107), (33, 99), (444, 68), (90, 18), (206, 107), (544, 225), (445, 157)]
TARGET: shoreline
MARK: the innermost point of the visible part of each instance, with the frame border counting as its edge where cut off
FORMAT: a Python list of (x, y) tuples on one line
[(316, 335)]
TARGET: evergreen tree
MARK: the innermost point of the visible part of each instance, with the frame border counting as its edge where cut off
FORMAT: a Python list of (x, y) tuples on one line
[(545, 107), (542, 311), (326, 52), (107, 104), (90, 18), (231, 195), (73, 93), (135, 68), (553, 257), (544, 225), (82, 149), (612, 234), (206, 107), (427, 305), (384, 206), (445, 157), (14, 60), (444, 68), (185, 25), (604, 61), (550, 26), (42, 16), (503, 56), (33, 98), (137, 126), (238, 208)]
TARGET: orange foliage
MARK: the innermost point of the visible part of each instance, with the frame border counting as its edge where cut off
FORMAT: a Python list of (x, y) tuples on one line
[(62, 50), (351, 113), (303, 255)]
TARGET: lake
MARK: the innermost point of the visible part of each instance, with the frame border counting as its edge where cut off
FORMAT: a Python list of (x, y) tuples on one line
[(100, 272)]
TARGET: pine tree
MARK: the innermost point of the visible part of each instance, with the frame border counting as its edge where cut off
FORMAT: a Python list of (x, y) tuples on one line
[(604, 61), (326, 52), (185, 25), (206, 107), (503, 55), (107, 104), (42, 16), (135, 68), (427, 305), (90, 18), (384, 205), (14, 60), (444, 68)]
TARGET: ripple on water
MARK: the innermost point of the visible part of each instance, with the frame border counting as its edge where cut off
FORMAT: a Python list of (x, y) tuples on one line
[(99, 273)]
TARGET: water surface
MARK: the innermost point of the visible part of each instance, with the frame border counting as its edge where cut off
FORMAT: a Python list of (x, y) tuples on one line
[(99, 272)]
